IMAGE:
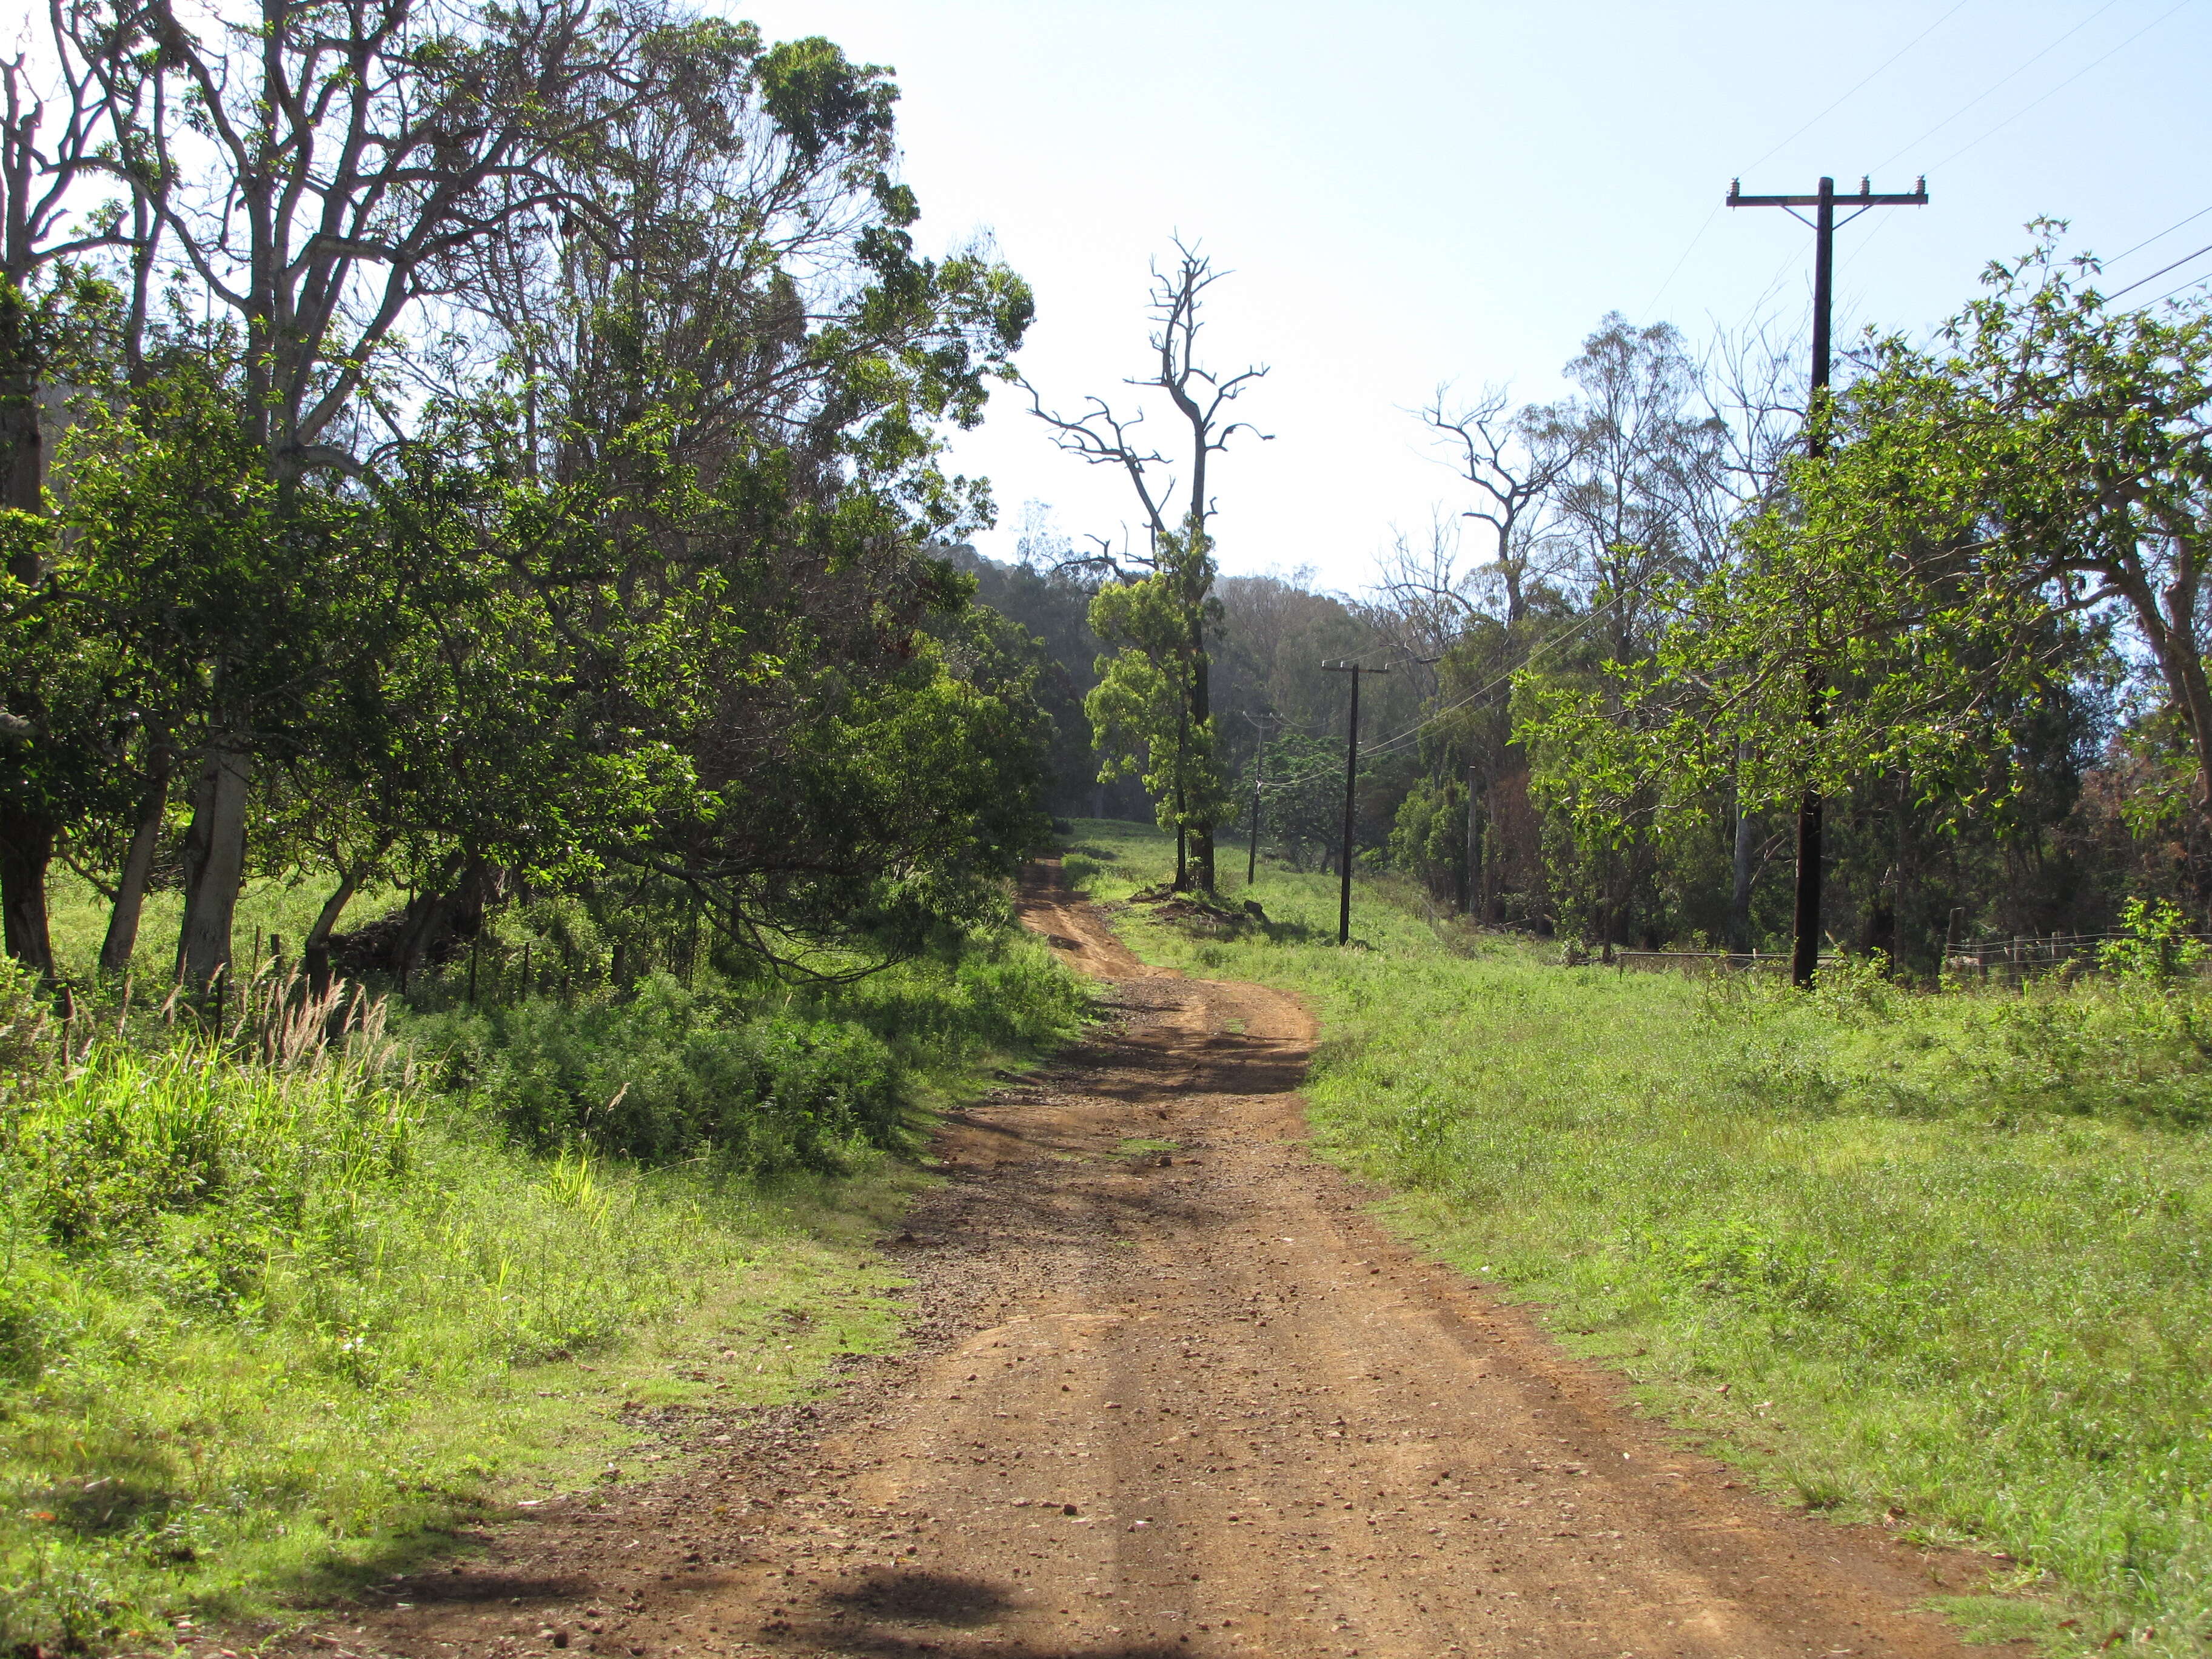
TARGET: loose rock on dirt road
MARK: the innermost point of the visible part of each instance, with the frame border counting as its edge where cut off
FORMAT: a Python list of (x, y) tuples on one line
[(1173, 1394)]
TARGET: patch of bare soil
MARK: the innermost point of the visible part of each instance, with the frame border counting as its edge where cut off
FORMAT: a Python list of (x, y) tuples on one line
[(1172, 1393)]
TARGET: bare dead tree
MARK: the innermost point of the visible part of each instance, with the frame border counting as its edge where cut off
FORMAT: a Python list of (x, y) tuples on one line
[(1177, 512), (1491, 445), (1755, 387), (1756, 394), (1429, 592)]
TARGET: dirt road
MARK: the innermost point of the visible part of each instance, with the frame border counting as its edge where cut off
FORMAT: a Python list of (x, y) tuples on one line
[(1179, 1400)]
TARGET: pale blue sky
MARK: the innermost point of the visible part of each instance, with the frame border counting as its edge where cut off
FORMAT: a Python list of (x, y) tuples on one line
[(1412, 192)]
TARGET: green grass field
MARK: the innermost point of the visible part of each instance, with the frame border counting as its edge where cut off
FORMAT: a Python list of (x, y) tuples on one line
[(267, 1336), (1942, 1262)]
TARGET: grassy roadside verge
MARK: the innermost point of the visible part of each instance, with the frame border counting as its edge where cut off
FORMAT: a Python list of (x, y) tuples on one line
[(266, 1335), (1940, 1262)]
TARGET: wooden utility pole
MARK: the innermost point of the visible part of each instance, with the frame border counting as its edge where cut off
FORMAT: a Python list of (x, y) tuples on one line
[(1806, 946), (1351, 794), (1259, 766)]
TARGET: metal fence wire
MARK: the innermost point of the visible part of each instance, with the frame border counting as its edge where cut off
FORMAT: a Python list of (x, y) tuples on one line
[(2022, 956)]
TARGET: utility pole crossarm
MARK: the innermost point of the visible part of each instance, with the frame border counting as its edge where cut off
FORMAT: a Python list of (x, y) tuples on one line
[(1864, 197)]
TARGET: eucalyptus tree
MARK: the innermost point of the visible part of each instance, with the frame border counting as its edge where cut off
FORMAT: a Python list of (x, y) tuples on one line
[(716, 435), (1154, 701), (315, 167), (1640, 461)]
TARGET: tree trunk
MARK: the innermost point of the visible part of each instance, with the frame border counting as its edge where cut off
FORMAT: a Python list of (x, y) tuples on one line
[(1202, 709), (22, 449), (1739, 922), (115, 949), (215, 861), (26, 838), (455, 910), (2185, 682), (26, 847), (315, 949)]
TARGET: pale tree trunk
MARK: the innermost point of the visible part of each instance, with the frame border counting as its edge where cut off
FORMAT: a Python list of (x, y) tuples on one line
[(122, 939), (215, 861), (1739, 922), (1201, 708)]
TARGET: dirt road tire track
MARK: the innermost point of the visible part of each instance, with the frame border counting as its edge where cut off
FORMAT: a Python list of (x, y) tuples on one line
[(1176, 1401)]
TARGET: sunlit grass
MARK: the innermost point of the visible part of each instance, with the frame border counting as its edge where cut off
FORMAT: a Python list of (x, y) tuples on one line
[(1940, 1262), (267, 1332)]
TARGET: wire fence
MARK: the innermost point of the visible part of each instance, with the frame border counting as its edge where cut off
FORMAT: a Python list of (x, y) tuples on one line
[(2007, 960), (1703, 962)]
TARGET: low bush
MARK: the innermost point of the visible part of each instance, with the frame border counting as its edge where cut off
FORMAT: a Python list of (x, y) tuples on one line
[(664, 1074), (270, 1329), (754, 1083)]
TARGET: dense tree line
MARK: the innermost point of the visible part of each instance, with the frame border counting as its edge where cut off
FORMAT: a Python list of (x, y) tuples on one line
[(1650, 622), (473, 451)]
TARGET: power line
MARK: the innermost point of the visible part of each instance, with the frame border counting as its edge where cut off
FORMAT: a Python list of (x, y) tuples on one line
[(2029, 108), (2002, 82), (2161, 236), (2161, 271), (1652, 304), (2170, 292), (1877, 70), (1398, 740)]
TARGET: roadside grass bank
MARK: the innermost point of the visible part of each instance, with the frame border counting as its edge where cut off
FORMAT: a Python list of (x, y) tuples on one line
[(1941, 1262), (269, 1333)]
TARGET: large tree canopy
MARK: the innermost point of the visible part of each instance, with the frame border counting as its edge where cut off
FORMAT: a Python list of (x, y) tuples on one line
[(533, 477)]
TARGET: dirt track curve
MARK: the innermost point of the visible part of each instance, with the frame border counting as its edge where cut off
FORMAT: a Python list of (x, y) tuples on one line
[(1189, 1403)]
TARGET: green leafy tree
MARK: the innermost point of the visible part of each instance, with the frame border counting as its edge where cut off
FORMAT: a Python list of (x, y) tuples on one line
[(1948, 572)]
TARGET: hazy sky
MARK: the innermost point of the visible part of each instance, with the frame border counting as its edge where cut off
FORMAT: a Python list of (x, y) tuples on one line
[(1410, 193)]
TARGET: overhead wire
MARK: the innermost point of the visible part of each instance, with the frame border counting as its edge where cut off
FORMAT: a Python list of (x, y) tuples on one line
[(2170, 292), (2161, 237), (2001, 82), (1652, 305), (2161, 271), (1397, 740), (2030, 107), (1869, 76)]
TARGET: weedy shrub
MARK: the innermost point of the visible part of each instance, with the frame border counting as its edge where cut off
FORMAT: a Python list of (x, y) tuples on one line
[(273, 1315), (664, 1074), (813, 1080), (121, 1145)]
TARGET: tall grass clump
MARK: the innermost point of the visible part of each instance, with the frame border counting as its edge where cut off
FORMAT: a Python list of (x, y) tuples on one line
[(755, 1080), (1938, 1260), (279, 1311)]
